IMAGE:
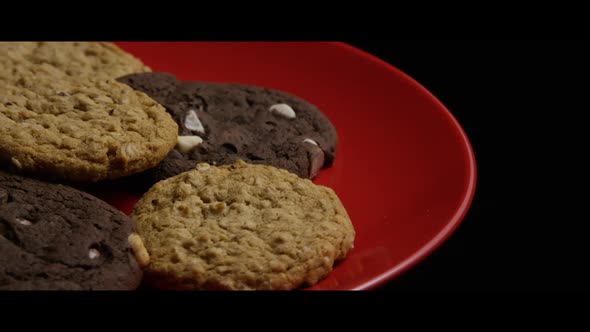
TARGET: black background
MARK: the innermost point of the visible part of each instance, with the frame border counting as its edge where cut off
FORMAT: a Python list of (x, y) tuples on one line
[(523, 106)]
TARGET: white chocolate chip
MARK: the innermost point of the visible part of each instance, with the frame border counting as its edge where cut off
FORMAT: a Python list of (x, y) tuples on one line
[(93, 253), (283, 110), (187, 143), (23, 222), (310, 141), (192, 122), (141, 255)]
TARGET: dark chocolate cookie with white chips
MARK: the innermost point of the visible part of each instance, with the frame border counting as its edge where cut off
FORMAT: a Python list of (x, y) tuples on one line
[(53, 237), (220, 123)]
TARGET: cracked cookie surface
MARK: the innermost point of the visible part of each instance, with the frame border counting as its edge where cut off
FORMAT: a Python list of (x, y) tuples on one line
[(241, 227), (64, 117), (236, 121), (53, 237)]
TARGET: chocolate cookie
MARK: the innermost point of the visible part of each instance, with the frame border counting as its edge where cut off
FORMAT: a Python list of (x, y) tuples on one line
[(54, 237), (238, 122), (241, 227)]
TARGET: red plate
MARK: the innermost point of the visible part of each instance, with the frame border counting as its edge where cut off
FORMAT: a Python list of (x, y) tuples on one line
[(404, 168)]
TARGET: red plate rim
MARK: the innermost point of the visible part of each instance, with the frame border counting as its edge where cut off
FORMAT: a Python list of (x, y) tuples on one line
[(459, 215)]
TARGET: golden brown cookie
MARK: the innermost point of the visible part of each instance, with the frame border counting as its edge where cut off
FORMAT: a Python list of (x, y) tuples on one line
[(63, 116), (73, 59), (241, 227)]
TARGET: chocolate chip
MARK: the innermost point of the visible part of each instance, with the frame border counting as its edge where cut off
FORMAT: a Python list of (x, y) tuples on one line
[(253, 157), (175, 154), (230, 148), (4, 196), (7, 231)]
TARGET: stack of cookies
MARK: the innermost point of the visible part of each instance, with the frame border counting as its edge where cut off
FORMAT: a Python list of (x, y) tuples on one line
[(225, 169)]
